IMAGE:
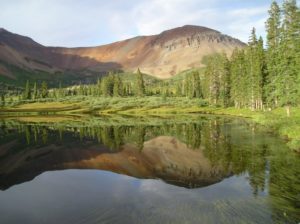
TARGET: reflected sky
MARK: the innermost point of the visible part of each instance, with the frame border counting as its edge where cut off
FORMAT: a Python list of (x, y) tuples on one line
[(90, 196)]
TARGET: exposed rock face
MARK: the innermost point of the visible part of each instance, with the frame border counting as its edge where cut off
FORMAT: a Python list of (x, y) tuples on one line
[(161, 55)]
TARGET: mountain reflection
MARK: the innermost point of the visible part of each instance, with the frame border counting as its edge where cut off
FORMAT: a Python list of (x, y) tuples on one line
[(172, 153)]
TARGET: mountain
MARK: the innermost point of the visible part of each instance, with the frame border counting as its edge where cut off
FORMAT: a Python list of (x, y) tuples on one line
[(162, 55), (23, 58)]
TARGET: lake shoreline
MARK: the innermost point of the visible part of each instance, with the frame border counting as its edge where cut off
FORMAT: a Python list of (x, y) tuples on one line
[(288, 128)]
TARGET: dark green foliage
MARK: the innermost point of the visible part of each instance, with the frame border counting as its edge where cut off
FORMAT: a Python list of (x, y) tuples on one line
[(140, 87), (283, 40), (254, 66), (44, 90), (27, 91), (98, 88), (238, 78), (258, 77), (61, 92), (191, 86), (197, 87), (107, 85), (118, 88), (35, 91), (272, 54), (2, 100), (289, 48), (217, 78)]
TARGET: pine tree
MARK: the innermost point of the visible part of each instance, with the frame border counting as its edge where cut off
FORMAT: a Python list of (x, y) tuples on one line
[(224, 68), (99, 89), (80, 89), (140, 87), (273, 55), (117, 89), (218, 79), (213, 77), (189, 86), (61, 92), (197, 85), (2, 102), (288, 82), (35, 91), (255, 66), (178, 91), (251, 59), (44, 89), (107, 85), (27, 92), (260, 96), (128, 89)]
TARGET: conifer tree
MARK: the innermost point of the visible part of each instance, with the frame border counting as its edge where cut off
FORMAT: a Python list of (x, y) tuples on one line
[(140, 87), (80, 89), (255, 66), (44, 89), (2, 102), (107, 85), (61, 92), (34, 91), (288, 82), (260, 95), (273, 55), (189, 86), (117, 89), (178, 91), (98, 87), (27, 92), (197, 85), (217, 75), (251, 67), (212, 75), (224, 74)]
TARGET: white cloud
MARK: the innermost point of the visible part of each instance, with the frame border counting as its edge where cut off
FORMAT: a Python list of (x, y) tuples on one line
[(241, 21), (92, 22), (162, 15), (157, 187), (236, 22)]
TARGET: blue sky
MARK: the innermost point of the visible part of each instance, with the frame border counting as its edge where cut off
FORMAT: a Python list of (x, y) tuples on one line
[(94, 22)]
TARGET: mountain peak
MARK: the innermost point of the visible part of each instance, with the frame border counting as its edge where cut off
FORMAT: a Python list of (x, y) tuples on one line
[(3, 30), (189, 29)]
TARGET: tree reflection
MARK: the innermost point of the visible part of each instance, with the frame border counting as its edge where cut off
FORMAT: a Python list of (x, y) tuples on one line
[(236, 151)]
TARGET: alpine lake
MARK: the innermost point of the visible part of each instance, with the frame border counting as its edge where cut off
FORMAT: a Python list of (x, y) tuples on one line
[(118, 169)]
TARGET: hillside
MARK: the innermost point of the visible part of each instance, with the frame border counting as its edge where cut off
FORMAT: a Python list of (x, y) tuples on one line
[(162, 55)]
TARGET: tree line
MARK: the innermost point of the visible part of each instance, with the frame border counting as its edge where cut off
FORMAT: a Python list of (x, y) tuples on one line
[(256, 77), (107, 86)]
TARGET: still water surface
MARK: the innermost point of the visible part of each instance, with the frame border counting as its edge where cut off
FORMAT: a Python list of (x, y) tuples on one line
[(203, 169)]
